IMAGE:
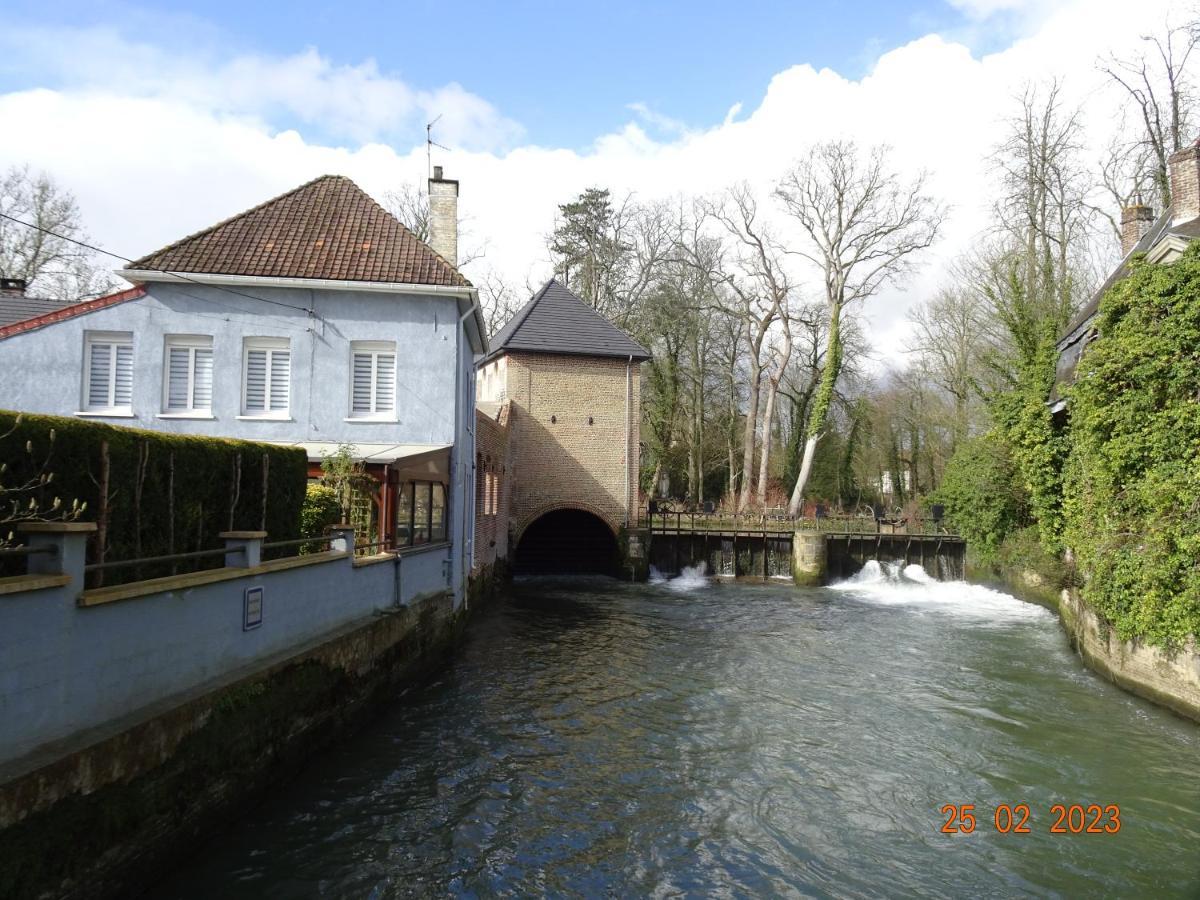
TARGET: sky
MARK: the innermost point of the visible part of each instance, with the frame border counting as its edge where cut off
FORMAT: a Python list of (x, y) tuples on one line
[(163, 119)]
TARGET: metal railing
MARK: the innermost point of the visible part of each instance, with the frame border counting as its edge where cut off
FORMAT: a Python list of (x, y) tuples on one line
[(776, 520), (27, 551), (167, 557), (200, 554)]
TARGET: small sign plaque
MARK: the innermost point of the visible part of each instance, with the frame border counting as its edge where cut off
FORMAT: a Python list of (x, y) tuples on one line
[(252, 608)]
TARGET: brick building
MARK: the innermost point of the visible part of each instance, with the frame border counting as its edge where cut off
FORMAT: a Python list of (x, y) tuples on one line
[(572, 384)]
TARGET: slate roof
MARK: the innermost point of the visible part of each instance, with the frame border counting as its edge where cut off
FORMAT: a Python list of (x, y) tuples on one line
[(328, 228), (557, 321), (17, 309), (1081, 329)]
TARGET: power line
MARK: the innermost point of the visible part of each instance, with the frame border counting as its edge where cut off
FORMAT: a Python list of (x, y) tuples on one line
[(178, 275)]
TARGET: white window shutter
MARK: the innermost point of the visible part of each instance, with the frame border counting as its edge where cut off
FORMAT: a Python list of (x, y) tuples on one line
[(385, 383), (202, 381), (178, 374), (256, 381), (281, 380), (123, 377), (99, 375), (361, 384)]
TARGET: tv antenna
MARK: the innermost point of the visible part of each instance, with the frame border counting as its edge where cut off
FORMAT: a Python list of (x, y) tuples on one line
[(430, 143)]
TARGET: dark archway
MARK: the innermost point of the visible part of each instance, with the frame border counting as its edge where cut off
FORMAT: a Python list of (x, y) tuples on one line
[(567, 540)]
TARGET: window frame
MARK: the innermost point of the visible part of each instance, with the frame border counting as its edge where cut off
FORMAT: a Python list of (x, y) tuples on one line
[(406, 513), (271, 345), (114, 340), (191, 343), (374, 349)]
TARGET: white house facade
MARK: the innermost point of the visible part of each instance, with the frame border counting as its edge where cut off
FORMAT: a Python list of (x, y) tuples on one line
[(315, 320)]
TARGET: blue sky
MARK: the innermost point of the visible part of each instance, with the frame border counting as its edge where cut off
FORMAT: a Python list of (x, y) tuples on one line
[(565, 72), (163, 120)]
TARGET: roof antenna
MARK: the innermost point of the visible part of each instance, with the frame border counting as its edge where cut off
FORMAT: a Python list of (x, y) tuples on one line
[(430, 143)]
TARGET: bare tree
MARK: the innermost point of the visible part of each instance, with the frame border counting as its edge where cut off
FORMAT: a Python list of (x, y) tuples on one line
[(498, 299), (44, 248), (947, 339), (862, 226), (758, 290), (1158, 85)]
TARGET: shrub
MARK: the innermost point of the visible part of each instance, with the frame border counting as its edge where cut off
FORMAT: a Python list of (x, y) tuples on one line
[(980, 491), (321, 509), (153, 494)]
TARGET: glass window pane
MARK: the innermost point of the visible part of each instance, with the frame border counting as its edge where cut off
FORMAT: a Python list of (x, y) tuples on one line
[(421, 515), (404, 529), (438, 531)]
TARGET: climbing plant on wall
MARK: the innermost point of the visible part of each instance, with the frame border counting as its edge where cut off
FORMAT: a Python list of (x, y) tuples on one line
[(1133, 477)]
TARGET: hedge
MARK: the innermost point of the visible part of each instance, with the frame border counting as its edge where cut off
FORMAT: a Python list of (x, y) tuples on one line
[(166, 493)]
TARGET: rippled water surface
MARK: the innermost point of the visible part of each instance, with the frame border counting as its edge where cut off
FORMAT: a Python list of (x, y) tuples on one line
[(696, 738)]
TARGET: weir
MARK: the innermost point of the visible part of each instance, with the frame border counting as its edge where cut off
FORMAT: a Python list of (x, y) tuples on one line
[(808, 556)]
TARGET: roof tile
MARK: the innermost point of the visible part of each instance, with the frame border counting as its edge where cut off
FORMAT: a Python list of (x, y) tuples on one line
[(328, 228)]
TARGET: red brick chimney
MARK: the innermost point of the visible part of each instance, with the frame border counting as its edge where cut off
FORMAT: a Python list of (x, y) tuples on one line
[(1184, 169), (1135, 222)]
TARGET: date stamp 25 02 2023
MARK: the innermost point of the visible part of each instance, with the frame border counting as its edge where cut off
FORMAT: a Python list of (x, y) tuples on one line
[(1072, 818)]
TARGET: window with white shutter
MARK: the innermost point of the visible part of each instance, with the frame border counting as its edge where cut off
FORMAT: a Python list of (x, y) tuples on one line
[(373, 380), (188, 375), (108, 372), (267, 378)]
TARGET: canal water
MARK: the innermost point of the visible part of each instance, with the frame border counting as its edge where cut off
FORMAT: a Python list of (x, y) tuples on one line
[(692, 738)]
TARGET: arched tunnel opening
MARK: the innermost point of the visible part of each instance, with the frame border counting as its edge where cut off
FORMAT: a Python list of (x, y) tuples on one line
[(567, 540)]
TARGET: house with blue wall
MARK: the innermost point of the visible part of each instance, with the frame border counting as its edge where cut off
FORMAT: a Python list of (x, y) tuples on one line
[(315, 319)]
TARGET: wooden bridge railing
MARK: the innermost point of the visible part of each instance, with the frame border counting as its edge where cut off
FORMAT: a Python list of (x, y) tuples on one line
[(668, 520)]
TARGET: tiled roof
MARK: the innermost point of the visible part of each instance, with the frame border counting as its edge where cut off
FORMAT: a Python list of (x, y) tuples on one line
[(555, 320), (328, 228), (69, 311), (16, 308)]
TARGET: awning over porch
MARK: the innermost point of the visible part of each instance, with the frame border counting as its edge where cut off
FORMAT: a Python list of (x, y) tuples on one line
[(412, 461)]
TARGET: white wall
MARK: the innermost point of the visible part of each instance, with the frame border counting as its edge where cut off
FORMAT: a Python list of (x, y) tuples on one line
[(42, 370), (64, 669)]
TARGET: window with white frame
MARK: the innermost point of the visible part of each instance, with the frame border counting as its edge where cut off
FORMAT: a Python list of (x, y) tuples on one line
[(188, 375), (372, 380), (266, 378), (108, 372)]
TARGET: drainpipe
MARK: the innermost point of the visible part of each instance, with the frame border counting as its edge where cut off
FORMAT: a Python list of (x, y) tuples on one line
[(628, 429), (468, 485)]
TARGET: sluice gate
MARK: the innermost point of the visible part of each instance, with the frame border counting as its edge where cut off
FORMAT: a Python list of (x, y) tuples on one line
[(733, 553), (808, 556), (942, 556)]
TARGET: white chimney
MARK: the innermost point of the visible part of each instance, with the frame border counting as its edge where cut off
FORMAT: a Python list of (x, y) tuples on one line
[(443, 216), (1184, 167)]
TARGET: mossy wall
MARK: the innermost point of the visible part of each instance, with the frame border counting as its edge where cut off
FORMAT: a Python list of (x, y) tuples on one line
[(105, 822)]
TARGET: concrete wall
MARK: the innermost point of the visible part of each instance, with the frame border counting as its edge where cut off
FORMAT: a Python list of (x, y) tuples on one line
[(114, 813), (561, 459), (41, 370), (1172, 679), (65, 669)]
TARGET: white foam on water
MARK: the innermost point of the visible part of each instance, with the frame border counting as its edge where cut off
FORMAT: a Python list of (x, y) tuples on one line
[(895, 584), (690, 579)]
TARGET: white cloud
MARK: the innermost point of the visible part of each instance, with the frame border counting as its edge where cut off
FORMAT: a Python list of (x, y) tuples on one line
[(160, 147), (358, 102)]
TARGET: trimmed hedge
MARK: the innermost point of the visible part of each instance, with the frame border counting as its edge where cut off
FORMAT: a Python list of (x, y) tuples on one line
[(166, 493)]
